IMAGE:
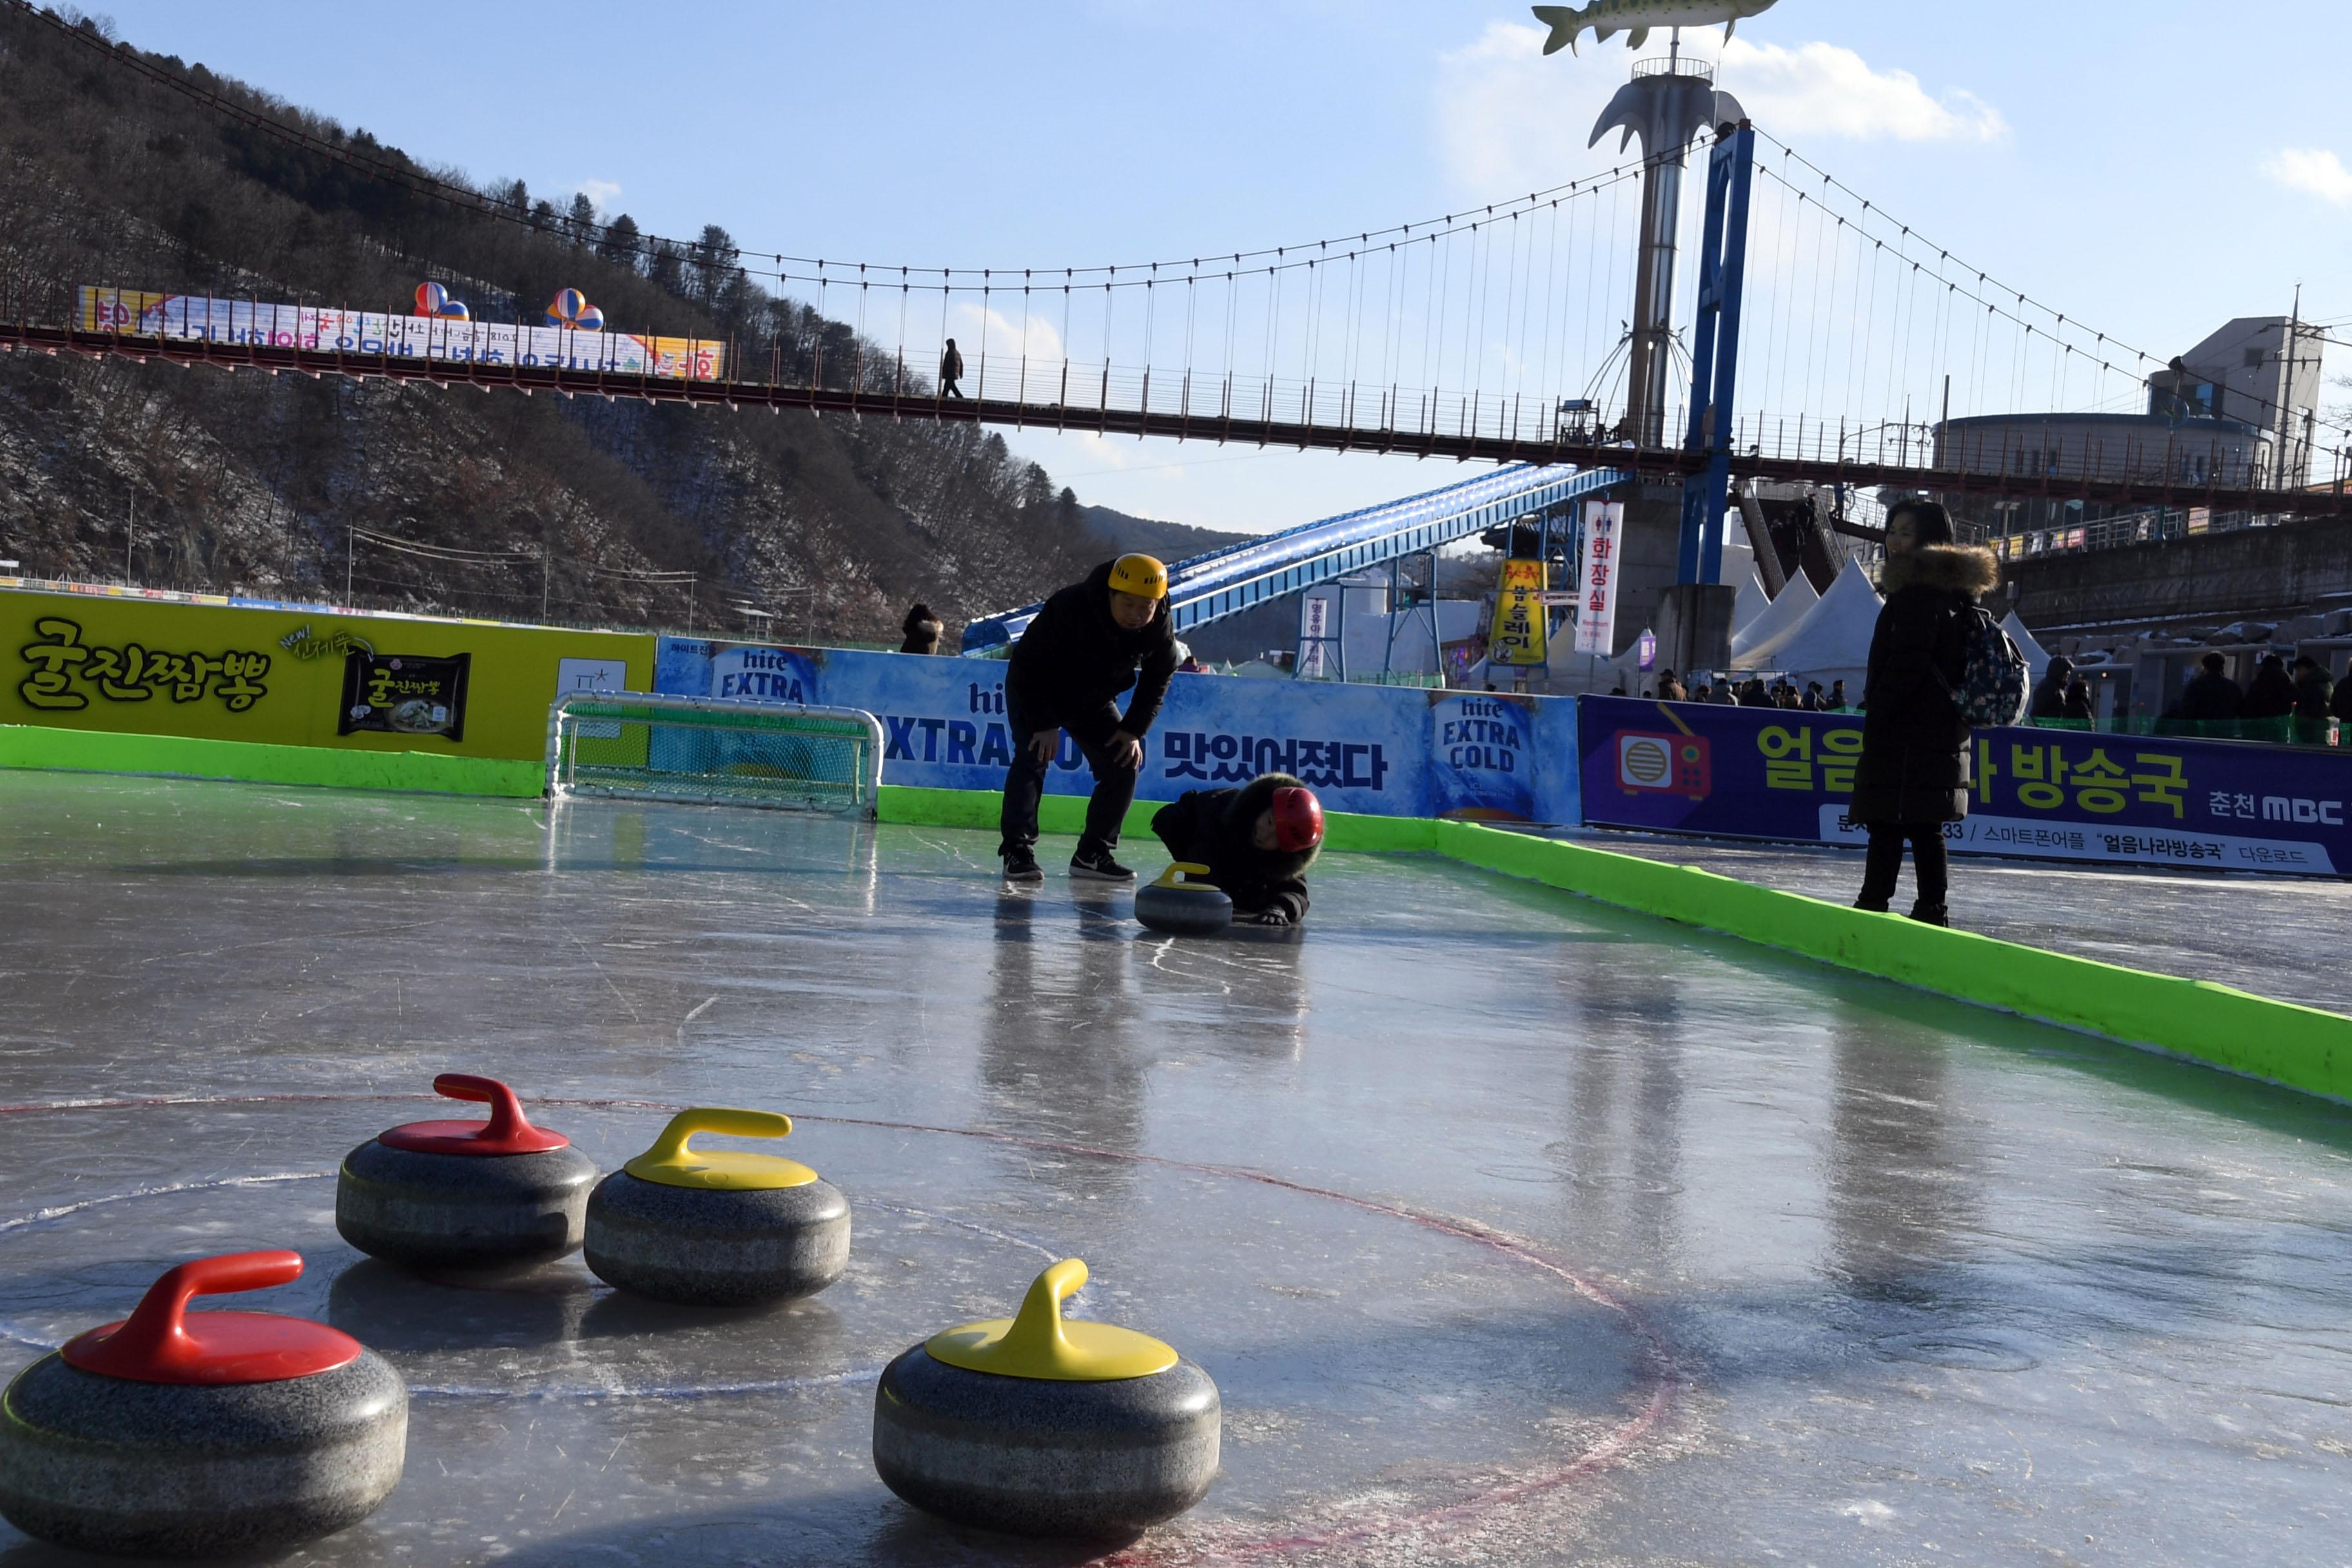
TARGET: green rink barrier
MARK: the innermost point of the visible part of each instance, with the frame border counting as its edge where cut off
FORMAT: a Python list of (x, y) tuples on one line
[(252, 762), (2279, 1042)]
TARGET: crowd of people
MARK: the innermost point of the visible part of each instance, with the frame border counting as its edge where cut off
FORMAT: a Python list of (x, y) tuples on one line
[(2303, 692), (1753, 692)]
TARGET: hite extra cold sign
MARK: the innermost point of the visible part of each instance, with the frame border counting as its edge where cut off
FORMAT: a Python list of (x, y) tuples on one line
[(1650, 763)]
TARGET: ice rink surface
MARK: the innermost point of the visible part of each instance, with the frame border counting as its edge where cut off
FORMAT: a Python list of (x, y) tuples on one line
[(1513, 1229)]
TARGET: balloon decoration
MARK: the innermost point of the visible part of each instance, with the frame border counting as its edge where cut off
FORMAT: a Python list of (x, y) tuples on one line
[(571, 307), (431, 299)]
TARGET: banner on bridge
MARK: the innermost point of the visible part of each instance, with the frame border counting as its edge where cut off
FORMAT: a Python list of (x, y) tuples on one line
[(1763, 772), (197, 319), (1382, 751)]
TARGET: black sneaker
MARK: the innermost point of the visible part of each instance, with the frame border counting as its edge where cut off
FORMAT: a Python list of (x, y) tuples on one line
[(1096, 866), (1021, 866), (1931, 914)]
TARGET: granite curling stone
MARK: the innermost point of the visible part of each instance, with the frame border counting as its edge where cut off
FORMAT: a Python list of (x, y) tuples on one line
[(465, 1194), (1039, 1426), (201, 1435), (718, 1227), (1194, 907)]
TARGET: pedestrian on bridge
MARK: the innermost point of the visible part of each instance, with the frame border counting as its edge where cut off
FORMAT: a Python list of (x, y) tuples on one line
[(950, 370), (1089, 642), (1914, 774)]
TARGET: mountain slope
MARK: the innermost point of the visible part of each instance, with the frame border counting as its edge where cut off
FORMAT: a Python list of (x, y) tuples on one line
[(273, 485)]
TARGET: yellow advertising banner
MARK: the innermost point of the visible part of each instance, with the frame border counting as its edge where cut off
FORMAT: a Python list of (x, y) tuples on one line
[(296, 676), (1517, 637)]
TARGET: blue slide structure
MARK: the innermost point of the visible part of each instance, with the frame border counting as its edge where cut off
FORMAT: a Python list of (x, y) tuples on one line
[(1225, 581)]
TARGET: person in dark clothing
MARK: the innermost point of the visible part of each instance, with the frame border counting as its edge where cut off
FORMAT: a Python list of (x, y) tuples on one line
[(2078, 701), (1256, 841), (2271, 694), (2212, 697), (1835, 703), (1089, 642), (2313, 691), (2339, 706), (922, 630), (950, 370), (1812, 702), (1670, 690), (2050, 696), (1914, 772)]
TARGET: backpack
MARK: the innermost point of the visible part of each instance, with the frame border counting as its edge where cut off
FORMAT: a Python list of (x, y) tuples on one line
[(1993, 682)]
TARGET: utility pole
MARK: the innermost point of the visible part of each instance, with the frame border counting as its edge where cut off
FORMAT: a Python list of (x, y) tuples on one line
[(351, 548), (546, 557), (129, 528)]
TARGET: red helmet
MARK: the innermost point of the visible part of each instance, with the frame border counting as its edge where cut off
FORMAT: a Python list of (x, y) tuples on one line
[(1297, 818)]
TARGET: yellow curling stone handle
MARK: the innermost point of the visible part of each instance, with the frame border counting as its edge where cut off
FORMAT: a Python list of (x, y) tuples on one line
[(1039, 1344), (1196, 876), (675, 1163)]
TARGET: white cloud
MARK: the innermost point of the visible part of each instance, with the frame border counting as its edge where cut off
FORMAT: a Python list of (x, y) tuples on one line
[(1822, 90), (601, 194), (2315, 171), (1509, 119), (1001, 335)]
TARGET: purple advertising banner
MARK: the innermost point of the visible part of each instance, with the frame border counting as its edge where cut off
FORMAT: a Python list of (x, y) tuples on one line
[(2149, 800)]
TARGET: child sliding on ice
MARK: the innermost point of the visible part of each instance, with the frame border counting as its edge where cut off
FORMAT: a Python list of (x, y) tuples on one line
[(1256, 841)]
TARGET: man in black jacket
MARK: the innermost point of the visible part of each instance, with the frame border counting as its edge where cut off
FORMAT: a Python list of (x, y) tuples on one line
[(2212, 697), (1090, 642), (1256, 841)]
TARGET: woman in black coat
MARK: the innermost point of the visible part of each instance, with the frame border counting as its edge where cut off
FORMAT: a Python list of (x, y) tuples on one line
[(1914, 774)]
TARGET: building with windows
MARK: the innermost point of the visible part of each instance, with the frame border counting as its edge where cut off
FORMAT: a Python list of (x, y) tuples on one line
[(2235, 412)]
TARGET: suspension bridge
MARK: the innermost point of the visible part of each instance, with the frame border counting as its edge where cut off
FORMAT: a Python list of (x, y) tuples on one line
[(1830, 344)]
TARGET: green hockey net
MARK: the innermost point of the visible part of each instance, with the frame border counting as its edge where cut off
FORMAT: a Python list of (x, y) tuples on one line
[(623, 745)]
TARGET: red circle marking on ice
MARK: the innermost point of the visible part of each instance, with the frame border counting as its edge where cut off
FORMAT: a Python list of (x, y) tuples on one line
[(162, 1342), (1605, 1453)]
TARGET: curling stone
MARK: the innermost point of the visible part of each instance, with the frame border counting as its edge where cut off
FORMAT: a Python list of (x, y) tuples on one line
[(1039, 1426), (1194, 907), (718, 1227), (200, 1434), (465, 1194)]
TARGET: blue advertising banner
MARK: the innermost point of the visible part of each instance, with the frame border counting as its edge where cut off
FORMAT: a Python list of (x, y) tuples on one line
[(1762, 773), (1382, 751)]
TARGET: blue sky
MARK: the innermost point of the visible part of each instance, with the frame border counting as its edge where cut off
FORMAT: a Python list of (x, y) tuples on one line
[(2153, 169)]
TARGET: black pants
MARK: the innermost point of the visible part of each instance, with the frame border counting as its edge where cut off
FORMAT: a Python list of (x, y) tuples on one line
[(1024, 785), (948, 387), (1931, 866)]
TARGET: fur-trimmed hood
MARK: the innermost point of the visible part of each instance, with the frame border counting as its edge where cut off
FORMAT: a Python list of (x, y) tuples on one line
[(1962, 569), (1242, 811)]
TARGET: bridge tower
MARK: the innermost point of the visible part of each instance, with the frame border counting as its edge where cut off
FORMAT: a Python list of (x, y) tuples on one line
[(1673, 541), (1666, 105)]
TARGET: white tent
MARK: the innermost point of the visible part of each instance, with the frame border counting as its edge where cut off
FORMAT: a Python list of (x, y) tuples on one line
[(1752, 602), (2037, 658), (1833, 642), (1795, 603)]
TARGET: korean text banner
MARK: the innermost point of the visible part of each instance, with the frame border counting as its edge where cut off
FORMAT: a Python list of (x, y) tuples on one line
[(195, 318), (1763, 772), (292, 675), (1521, 623), (1596, 578), (1382, 750)]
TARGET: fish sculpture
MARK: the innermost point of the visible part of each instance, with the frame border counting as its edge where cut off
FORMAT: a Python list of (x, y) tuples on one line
[(1636, 17)]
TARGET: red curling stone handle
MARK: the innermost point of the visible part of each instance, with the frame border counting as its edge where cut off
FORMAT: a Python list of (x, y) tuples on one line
[(160, 1342), (508, 1131)]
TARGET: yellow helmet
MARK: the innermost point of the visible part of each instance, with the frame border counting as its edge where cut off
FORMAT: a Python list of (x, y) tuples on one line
[(1142, 576)]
